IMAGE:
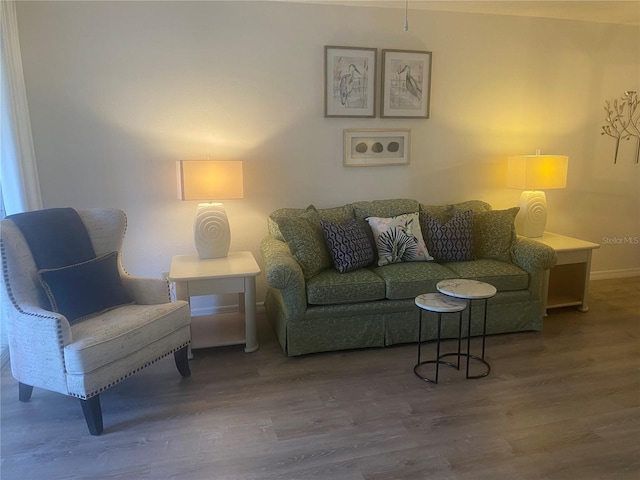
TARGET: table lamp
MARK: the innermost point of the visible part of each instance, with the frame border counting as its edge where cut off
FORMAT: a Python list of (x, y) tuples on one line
[(533, 174), (210, 180)]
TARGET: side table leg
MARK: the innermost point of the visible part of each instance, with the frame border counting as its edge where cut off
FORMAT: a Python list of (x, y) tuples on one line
[(484, 328), (469, 339), (438, 346), (484, 337), (459, 338), (419, 336), (182, 293), (251, 334)]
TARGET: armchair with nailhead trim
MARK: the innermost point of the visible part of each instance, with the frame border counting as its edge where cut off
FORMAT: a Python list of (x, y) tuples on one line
[(55, 343)]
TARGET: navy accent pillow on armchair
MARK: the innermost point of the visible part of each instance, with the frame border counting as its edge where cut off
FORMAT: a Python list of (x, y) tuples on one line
[(85, 289)]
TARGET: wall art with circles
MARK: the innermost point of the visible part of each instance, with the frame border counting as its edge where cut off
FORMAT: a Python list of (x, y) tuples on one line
[(376, 147)]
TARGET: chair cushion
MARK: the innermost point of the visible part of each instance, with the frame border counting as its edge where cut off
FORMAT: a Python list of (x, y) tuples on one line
[(120, 332), (84, 289), (348, 244), (502, 275), (330, 287)]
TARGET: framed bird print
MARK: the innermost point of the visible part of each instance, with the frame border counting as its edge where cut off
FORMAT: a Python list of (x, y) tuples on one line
[(349, 81), (406, 84)]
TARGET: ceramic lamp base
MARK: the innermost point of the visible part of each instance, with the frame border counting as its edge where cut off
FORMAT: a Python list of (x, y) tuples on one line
[(211, 231), (532, 217)]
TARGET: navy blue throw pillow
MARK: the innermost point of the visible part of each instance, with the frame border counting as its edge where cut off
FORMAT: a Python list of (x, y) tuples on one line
[(348, 244), (85, 289), (452, 241)]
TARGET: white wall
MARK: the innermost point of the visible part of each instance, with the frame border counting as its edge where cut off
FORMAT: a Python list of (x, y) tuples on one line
[(118, 91)]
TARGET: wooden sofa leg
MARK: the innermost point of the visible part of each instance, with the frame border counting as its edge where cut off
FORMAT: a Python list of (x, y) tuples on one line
[(182, 361), (24, 392), (93, 414)]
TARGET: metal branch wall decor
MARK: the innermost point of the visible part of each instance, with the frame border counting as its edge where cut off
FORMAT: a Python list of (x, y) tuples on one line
[(623, 121)]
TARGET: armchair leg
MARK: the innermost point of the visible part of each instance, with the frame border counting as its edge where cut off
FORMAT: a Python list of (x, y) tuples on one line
[(182, 361), (93, 414), (24, 392)]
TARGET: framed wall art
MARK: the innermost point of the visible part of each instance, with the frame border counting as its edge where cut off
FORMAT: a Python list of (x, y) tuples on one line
[(406, 84), (376, 147), (350, 81)]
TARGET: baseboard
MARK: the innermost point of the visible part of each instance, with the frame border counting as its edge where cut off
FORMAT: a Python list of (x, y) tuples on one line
[(621, 273), (222, 309)]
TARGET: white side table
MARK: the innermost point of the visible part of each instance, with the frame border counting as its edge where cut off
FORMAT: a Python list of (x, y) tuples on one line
[(567, 284), (235, 273)]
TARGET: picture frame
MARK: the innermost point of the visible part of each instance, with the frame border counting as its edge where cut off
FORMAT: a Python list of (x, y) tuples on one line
[(406, 84), (350, 81), (372, 147)]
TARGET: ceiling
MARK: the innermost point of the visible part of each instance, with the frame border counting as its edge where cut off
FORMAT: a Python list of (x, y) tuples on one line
[(602, 11)]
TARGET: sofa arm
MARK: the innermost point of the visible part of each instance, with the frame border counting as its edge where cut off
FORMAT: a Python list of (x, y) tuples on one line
[(284, 273), (533, 256)]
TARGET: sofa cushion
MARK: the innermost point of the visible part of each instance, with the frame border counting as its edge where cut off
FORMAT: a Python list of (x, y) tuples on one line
[(408, 280), (330, 287), (494, 234), (336, 215), (84, 289), (384, 208), (305, 239), (443, 213), (476, 206), (272, 224), (348, 244), (451, 241), (399, 239), (502, 275)]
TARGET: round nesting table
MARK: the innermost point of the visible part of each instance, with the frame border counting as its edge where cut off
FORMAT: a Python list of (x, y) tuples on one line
[(439, 303), (469, 290)]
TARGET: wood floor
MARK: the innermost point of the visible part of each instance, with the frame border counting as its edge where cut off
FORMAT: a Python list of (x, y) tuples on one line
[(559, 404)]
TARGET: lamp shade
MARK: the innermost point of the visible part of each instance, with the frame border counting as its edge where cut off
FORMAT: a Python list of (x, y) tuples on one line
[(537, 172), (209, 180)]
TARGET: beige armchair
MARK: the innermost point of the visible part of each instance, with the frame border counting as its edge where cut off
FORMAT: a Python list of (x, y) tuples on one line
[(80, 329)]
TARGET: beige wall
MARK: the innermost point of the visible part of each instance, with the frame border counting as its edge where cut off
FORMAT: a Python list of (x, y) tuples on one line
[(118, 91)]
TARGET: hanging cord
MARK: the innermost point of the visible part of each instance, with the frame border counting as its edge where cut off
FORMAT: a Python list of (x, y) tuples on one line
[(406, 17)]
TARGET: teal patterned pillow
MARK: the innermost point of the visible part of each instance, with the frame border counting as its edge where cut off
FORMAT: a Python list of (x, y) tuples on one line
[(399, 239), (451, 241), (494, 234), (305, 239), (348, 244)]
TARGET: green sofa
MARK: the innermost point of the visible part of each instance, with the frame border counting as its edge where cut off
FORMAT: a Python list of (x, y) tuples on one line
[(317, 309)]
